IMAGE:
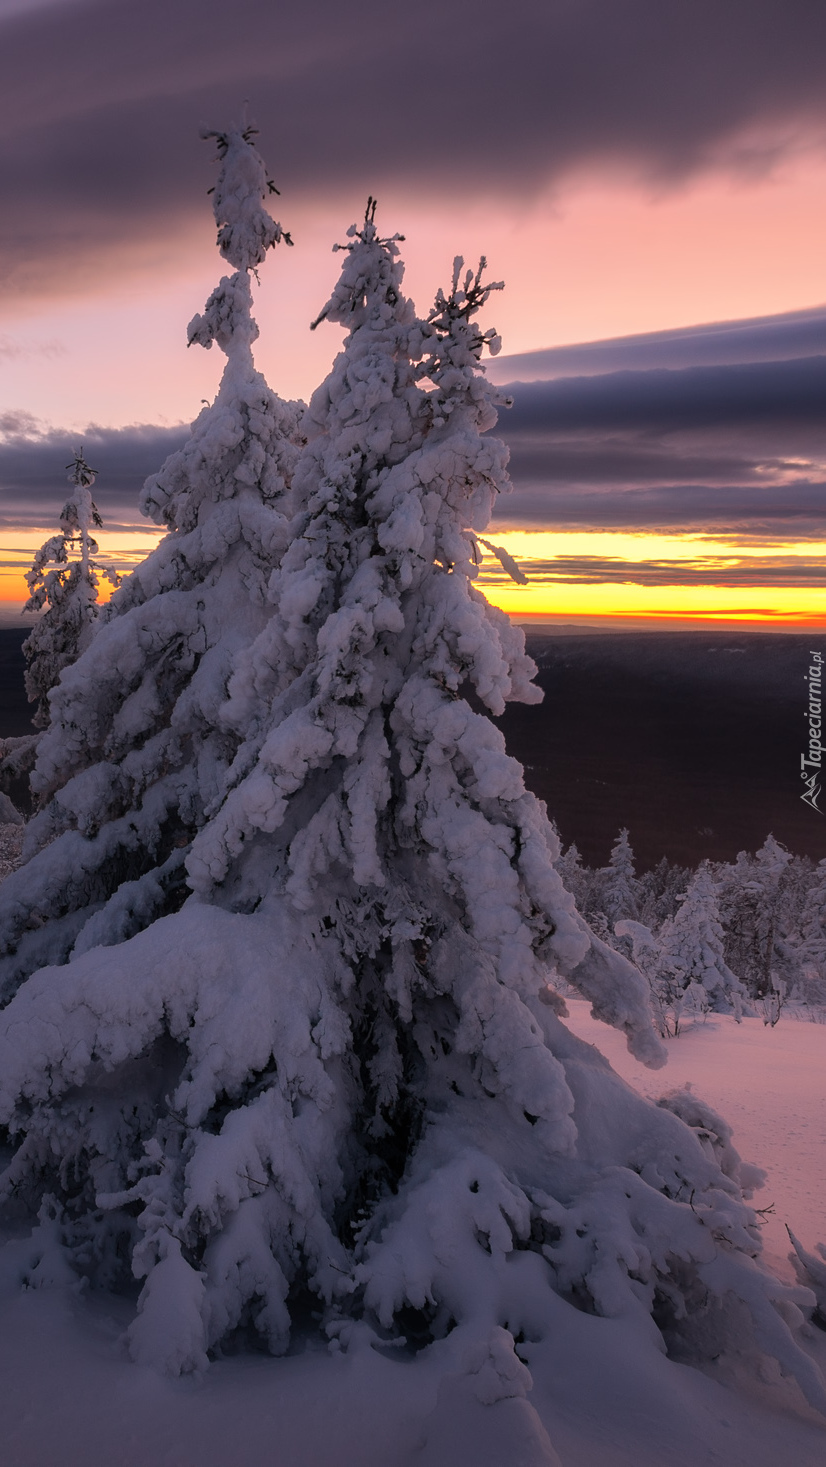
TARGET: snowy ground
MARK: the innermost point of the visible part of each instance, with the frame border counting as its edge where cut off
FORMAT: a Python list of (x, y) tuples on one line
[(607, 1399), (770, 1085)]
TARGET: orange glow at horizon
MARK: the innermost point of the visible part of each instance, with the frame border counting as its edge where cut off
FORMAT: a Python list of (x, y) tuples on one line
[(554, 560), (545, 554), (783, 604), (116, 549)]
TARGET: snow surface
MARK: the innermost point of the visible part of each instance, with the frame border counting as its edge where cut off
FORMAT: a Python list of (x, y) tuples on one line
[(770, 1084), (606, 1397)]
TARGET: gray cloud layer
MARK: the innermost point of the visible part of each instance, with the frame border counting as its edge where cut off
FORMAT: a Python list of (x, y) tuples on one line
[(737, 449), (749, 394), (569, 570), (33, 480), (99, 100), (720, 343), (796, 511)]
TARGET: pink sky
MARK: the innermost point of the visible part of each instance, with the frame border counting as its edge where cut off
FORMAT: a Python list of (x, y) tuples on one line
[(625, 167), (596, 256)]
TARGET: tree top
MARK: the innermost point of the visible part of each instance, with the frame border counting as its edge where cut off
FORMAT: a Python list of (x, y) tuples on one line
[(245, 228), (371, 278)]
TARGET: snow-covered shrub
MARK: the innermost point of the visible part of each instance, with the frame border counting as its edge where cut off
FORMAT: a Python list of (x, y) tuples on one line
[(768, 908), (643, 946), (136, 750), (339, 1068), (811, 1270)]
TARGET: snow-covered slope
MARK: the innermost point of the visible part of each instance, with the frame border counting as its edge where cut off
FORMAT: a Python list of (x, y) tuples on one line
[(770, 1084), (70, 1398)]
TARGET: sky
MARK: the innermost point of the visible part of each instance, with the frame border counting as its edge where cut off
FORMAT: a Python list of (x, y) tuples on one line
[(647, 176)]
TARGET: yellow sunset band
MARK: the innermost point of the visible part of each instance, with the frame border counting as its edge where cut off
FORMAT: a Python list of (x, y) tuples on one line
[(556, 563), (123, 550), (788, 604)]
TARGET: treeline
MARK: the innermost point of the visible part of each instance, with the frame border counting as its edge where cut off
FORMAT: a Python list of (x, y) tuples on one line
[(742, 936)]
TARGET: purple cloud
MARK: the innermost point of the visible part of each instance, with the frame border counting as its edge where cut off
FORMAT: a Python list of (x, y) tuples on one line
[(100, 101), (33, 477), (783, 337), (738, 449), (734, 449)]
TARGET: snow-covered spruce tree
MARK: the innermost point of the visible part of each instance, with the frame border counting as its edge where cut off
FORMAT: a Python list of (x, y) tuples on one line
[(812, 944), (136, 750), (619, 888), (65, 579), (659, 891), (692, 966), (754, 896), (338, 1068), (576, 877)]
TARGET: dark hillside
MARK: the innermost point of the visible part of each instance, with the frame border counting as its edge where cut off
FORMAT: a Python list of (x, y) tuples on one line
[(692, 740)]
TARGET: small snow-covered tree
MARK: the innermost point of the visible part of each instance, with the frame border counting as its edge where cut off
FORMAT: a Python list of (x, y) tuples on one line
[(339, 1066), (659, 890), (691, 965), (812, 949), (620, 888), (613, 891), (65, 579), (136, 749), (644, 947), (754, 898), (576, 878)]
